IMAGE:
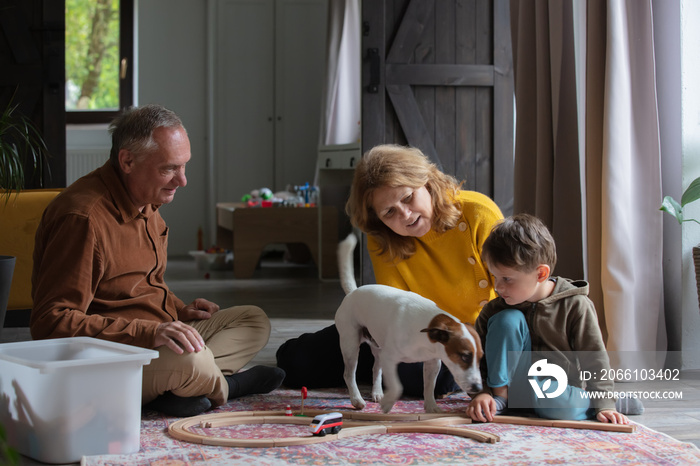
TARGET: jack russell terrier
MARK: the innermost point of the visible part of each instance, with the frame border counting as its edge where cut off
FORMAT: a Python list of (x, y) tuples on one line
[(401, 326)]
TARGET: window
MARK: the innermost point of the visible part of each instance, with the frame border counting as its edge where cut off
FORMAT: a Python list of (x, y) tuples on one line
[(99, 53)]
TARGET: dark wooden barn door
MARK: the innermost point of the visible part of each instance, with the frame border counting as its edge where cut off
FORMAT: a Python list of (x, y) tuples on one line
[(32, 44), (437, 75)]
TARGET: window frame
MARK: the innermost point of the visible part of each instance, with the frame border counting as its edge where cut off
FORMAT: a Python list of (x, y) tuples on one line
[(126, 82)]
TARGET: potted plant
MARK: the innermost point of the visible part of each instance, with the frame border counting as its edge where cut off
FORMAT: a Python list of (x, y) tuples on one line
[(673, 207), (21, 147), (23, 154)]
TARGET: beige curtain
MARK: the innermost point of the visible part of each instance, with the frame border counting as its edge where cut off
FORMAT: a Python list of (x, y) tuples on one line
[(547, 174), (619, 197), (623, 155)]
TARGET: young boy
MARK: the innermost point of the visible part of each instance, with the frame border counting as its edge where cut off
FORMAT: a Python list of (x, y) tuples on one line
[(536, 324)]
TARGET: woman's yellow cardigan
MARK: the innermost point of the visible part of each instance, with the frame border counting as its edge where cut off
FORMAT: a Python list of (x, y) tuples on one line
[(447, 267)]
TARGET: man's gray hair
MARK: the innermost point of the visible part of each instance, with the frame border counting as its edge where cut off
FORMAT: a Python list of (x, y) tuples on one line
[(133, 129)]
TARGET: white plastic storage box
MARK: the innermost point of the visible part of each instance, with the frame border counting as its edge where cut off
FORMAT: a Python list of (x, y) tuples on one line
[(66, 398)]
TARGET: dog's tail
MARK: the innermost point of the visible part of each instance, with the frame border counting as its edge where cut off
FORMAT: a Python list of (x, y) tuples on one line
[(346, 266)]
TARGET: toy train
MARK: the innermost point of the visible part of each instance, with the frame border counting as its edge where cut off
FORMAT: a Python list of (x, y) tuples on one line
[(326, 423)]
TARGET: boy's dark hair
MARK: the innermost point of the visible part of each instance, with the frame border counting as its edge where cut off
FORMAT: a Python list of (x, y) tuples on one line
[(521, 242)]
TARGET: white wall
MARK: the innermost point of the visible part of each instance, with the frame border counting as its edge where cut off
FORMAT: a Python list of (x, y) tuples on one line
[(690, 76), (172, 71)]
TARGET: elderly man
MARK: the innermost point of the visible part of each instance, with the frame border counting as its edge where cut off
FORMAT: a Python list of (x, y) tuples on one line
[(99, 261)]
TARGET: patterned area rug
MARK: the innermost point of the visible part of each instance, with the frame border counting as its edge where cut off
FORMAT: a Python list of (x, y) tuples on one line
[(521, 445)]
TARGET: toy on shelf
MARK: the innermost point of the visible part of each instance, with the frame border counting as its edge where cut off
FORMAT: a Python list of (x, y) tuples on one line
[(309, 194), (262, 197), (294, 196)]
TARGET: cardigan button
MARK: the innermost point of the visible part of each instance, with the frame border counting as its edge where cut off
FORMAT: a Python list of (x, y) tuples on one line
[(471, 260), (483, 303), (483, 283), (462, 226)]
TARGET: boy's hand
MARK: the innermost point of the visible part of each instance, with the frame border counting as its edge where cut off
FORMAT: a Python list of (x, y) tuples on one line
[(612, 416), (481, 408)]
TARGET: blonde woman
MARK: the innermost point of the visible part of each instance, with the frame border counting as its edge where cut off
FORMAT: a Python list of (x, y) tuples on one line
[(424, 234)]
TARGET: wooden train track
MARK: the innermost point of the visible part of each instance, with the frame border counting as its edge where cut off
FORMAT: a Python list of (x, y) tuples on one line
[(359, 423)]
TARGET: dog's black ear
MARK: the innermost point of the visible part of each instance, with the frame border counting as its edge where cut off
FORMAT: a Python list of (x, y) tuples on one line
[(437, 335)]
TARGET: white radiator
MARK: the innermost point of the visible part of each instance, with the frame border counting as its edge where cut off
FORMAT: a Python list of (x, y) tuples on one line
[(82, 161)]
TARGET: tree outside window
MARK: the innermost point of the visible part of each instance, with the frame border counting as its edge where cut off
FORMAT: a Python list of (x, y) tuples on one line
[(98, 59)]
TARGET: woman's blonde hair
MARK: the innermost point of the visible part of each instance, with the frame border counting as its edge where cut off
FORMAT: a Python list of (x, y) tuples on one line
[(397, 166)]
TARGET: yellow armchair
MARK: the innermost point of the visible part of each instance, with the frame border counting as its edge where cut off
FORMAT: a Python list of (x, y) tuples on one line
[(19, 220)]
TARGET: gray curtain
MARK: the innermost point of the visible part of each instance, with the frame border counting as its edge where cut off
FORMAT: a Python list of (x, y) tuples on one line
[(605, 218), (547, 173)]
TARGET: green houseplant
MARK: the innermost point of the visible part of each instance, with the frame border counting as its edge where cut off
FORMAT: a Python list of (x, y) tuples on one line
[(21, 149), (23, 155), (691, 194), (673, 207)]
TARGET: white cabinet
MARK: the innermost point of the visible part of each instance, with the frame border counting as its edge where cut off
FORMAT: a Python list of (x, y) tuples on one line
[(269, 73), (339, 156)]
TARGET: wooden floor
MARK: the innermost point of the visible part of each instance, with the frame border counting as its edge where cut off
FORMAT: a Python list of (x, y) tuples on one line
[(297, 301)]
